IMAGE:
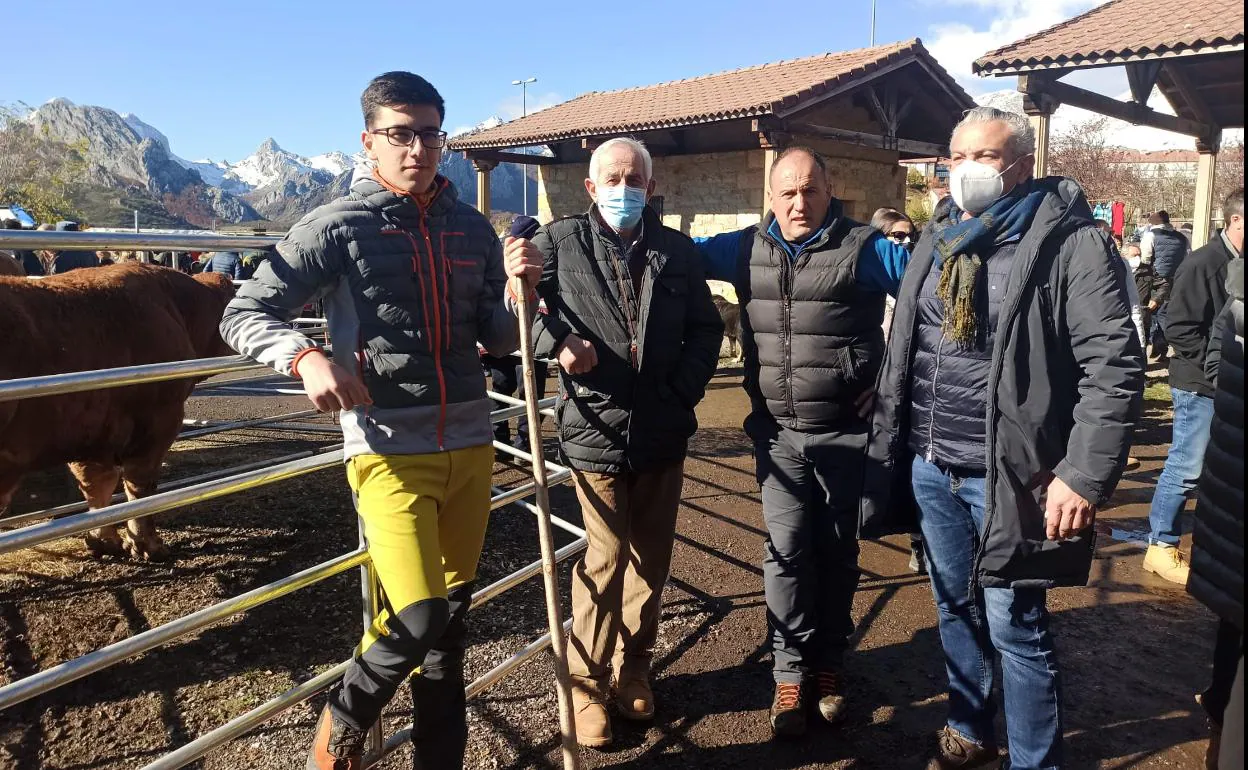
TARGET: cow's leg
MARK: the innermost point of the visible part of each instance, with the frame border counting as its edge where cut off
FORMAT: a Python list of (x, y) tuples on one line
[(97, 482), (142, 540)]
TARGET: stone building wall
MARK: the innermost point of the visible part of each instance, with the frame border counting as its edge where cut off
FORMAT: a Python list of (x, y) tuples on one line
[(711, 193)]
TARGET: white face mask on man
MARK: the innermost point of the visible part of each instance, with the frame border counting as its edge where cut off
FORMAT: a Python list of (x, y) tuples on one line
[(975, 186)]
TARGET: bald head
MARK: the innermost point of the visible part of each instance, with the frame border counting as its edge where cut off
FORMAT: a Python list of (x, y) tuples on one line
[(800, 193)]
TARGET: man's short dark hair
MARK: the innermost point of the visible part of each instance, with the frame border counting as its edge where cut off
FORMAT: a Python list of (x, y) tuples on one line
[(793, 150), (1161, 217), (399, 89), (1233, 205), (13, 224), (1101, 223)]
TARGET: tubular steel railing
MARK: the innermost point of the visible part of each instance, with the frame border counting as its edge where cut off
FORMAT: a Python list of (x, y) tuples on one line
[(216, 484)]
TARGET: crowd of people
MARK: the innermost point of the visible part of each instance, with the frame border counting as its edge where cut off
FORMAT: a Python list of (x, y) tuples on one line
[(990, 417), (41, 262)]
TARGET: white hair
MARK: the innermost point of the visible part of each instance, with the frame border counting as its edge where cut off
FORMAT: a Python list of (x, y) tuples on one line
[(1022, 139), (595, 160)]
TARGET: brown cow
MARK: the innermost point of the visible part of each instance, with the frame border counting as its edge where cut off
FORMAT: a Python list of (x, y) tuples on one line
[(9, 265), (122, 315)]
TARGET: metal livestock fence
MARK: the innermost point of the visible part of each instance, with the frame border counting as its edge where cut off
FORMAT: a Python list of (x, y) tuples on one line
[(74, 519)]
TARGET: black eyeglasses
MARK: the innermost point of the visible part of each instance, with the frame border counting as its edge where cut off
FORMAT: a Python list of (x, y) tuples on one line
[(401, 136), (899, 236)]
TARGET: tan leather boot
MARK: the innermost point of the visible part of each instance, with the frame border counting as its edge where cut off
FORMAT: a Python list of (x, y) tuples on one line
[(635, 699), (593, 724), (1167, 562)]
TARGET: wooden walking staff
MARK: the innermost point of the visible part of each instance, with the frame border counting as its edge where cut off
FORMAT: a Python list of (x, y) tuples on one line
[(554, 616)]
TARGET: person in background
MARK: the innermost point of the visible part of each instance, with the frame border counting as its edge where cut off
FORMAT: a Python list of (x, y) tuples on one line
[(937, 190), (898, 228), (31, 265), (1185, 230), (506, 373), (1162, 249), (812, 283), (1217, 570), (1197, 296), (1003, 414), (64, 261), (226, 262)]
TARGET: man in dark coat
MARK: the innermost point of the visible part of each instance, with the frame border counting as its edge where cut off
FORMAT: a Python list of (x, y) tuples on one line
[(64, 261), (1005, 406), (631, 324), (1198, 294), (1217, 570)]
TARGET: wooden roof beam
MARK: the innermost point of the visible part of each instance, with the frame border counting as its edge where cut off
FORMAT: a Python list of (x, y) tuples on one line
[(1191, 97), (912, 146), (1136, 114)]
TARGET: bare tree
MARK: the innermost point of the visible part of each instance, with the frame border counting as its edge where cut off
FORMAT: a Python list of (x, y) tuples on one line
[(1084, 153)]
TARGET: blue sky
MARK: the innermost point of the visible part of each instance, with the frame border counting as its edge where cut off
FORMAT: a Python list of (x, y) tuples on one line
[(218, 78)]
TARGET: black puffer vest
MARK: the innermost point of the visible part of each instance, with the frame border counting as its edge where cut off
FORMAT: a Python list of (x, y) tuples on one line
[(950, 381), (1169, 248), (812, 335)]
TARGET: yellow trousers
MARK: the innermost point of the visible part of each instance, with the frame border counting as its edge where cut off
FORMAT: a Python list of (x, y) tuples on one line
[(424, 523)]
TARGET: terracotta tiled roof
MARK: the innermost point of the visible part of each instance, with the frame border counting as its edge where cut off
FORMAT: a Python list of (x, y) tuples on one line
[(1124, 29), (749, 92)]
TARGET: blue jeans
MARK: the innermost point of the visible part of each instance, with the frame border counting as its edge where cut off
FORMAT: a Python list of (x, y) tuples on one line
[(977, 624), (1192, 416)]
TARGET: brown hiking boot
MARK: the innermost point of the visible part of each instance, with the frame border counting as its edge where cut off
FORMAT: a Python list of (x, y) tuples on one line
[(954, 751), (337, 745), (593, 723), (635, 699), (831, 688), (788, 717)]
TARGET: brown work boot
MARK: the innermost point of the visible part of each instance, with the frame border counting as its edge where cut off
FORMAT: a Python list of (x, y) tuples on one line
[(337, 745), (635, 699), (593, 724), (954, 751), (831, 688), (788, 717), (1167, 562)]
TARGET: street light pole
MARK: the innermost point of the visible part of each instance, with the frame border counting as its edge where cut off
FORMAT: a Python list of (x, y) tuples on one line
[(524, 111), (872, 23)]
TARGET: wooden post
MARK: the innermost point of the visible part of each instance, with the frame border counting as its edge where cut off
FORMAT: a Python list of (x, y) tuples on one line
[(483, 167), (1206, 170), (769, 160), (1039, 107), (546, 539), (1040, 125)]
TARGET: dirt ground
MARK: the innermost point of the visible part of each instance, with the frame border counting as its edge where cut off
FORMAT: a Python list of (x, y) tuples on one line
[(1133, 648)]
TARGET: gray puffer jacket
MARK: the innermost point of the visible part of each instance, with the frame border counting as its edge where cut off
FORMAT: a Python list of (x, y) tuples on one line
[(1064, 389), (409, 291)]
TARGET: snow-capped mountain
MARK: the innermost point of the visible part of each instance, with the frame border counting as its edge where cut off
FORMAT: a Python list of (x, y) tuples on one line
[(1120, 132)]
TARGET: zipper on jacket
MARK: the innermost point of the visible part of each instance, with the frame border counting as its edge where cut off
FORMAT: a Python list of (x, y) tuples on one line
[(994, 378), (786, 328), (931, 417), (437, 340)]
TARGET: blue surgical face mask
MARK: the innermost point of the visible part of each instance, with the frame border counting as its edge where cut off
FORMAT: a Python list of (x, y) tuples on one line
[(621, 206)]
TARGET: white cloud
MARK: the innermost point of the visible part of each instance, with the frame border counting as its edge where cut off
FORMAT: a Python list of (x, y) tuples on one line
[(512, 107), (989, 24)]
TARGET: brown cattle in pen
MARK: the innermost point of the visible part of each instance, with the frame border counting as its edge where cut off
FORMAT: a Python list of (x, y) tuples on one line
[(122, 315)]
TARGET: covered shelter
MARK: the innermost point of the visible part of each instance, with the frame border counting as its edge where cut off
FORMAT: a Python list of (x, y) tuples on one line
[(1193, 52), (714, 138)]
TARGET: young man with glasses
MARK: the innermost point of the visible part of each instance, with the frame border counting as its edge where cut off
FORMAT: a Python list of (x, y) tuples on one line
[(411, 278)]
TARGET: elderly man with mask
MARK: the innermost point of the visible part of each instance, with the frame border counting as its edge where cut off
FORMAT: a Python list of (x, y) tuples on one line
[(1005, 406), (812, 284), (637, 338)]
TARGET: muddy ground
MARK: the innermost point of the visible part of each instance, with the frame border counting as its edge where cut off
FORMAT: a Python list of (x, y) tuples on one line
[(1134, 649)]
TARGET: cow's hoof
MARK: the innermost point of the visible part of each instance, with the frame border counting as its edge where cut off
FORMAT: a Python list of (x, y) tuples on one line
[(148, 550), (101, 547)]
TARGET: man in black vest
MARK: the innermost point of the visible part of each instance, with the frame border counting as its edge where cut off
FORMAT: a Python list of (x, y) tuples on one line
[(1004, 413), (1162, 249), (631, 323), (811, 282)]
